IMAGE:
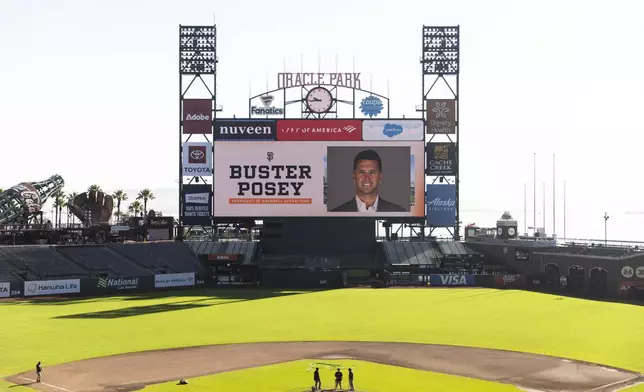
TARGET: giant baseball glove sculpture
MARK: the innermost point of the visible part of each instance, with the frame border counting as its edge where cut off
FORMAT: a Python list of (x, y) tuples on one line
[(92, 208)]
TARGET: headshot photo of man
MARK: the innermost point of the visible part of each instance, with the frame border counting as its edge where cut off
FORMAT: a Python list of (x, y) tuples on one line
[(367, 180)]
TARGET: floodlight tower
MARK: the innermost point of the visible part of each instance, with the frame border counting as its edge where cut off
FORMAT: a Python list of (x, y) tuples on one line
[(198, 72), (440, 69)]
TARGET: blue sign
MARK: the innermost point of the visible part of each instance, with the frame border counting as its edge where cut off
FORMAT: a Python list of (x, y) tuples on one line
[(441, 205), (391, 130), (371, 106), (452, 280)]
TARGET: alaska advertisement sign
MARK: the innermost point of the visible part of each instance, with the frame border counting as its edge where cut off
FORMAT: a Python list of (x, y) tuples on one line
[(441, 205)]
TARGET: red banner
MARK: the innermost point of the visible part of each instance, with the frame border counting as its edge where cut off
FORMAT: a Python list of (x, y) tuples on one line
[(197, 116), (517, 281), (223, 257), (319, 130)]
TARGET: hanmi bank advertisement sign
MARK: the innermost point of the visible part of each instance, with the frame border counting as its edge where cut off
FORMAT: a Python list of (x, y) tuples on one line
[(306, 172)]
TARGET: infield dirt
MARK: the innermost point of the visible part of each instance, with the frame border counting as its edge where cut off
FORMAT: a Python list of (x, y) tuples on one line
[(133, 371)]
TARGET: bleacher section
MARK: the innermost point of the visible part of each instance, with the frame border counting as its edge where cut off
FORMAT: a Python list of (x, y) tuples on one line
[(245, 248), (454, 249), (601, 251), (412, 253), (160, 257), (102, 260), (38, 262)]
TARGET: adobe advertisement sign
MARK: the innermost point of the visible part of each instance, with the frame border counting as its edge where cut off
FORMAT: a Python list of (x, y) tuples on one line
[(197, 116), (276, 179), (441, 159), (197, 204), (232, 129), (197, 159), (393, 130), (319, 130), (441, 116), (441, 205)]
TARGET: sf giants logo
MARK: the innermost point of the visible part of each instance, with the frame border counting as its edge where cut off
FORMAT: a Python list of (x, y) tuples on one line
[(270, 156)]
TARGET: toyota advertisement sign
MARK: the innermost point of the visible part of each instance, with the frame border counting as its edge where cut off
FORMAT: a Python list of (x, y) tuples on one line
[(197, 116), (197, 159), (197, 204), (441, 205)]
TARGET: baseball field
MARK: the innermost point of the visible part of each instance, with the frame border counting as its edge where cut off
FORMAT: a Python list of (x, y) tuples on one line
[(393, 339)]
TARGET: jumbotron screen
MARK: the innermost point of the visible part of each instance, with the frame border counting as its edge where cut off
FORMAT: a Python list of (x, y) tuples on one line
[(319, 168)]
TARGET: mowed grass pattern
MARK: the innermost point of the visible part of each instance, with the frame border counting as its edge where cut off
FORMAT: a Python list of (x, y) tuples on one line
[(63, 331), (294, 377)]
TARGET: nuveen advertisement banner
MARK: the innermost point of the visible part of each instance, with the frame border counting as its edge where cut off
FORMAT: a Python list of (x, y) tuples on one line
[(441, 205)]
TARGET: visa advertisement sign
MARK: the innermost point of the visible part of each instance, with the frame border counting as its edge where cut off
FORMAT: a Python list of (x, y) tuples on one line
[(452, 280), (393, 130), (441, 205)]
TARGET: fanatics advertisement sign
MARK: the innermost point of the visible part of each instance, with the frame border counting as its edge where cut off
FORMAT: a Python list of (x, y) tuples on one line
[(197, 116), (325, 179), (319, 130), (441, 159), (197, 204), (197, 159), (231, 129)]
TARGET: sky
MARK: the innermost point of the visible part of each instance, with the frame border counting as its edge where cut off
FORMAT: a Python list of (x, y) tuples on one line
[(89, 90)]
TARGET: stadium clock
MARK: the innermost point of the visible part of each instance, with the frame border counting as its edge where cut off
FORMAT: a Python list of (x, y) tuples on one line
[(319, 100)]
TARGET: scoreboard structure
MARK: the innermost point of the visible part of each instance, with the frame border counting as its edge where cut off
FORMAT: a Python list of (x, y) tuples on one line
[(318, 146)]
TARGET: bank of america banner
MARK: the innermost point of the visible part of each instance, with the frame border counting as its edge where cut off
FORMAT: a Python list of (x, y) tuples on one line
[(441, 205), (174, 280)]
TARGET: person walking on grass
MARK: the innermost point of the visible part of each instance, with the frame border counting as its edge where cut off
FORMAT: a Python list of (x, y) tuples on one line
[(316, 379), (351, 380), (38, 371)]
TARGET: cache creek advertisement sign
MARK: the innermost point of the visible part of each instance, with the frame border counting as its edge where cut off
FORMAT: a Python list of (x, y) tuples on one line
[(289, 178), (197, 204)]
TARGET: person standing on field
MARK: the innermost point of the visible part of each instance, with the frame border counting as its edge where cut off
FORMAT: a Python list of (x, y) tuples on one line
[(351, 380), (38, 371), (338, 379), (316, 379)]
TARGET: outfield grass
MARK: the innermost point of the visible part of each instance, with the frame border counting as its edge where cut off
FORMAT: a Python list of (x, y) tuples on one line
[(62, 331), (297, 376)]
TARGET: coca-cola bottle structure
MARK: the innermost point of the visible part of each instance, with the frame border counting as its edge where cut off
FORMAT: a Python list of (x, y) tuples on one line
[(20, 202)]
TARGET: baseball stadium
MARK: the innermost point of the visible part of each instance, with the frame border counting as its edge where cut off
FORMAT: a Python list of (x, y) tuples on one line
[(275, 275)]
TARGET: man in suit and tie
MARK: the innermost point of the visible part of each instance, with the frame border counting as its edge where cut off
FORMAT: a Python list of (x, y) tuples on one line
[(367, 175)]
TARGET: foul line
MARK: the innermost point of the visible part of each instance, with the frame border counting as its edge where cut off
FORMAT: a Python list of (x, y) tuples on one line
[(614, 384), (45, 384)]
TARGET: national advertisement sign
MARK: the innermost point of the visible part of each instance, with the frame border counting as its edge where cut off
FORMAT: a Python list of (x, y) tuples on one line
[(275, 179), (197, 159), (197, 204), (4, 289), (316, 130), (118, 283), (174, 280), (52, 287), (441, 116), (441, 159), (232, 129), (452, 280), (393, 130), (197, 116), (441, 205)]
